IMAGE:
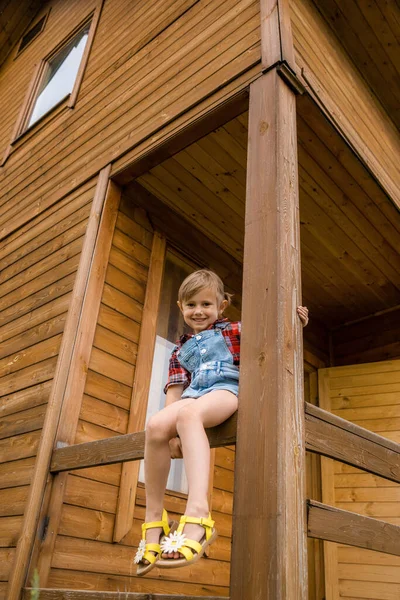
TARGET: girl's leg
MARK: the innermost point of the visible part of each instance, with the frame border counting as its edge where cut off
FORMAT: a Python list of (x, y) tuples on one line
[(207, 411), (159, 430)]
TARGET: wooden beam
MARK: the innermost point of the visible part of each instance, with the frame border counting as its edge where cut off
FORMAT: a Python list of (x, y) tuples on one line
[(326, 434), (40, 474), (141, 385), (269, 498), (337, 438), (276, 34), (56, 594), (344, 527), (77, 374), (127, 447)]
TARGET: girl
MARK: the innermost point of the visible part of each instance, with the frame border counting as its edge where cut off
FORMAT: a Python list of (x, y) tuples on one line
[(202, 392)]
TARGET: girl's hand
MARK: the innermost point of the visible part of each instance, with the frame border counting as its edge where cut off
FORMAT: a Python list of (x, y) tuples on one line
[(175, 448), (302, 311)]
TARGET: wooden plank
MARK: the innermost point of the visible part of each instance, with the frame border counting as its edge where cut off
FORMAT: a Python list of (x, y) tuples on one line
[(61, 578), (329, 523), (6, 559), (98, 525), (19, 446), (18, 472), (10, 528), (107, 389), (37, 488), (47, 594), (337, 438), (32, 336), (271, 415), (125, 448), (35, 395), (141, 386), (91, 494), (100, 557), (12, 501), (22, 422)]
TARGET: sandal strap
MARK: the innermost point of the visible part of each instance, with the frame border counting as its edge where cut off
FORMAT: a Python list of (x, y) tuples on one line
[(206, 522), (149, 556), (153, 524), (187, 553), (196, 546)]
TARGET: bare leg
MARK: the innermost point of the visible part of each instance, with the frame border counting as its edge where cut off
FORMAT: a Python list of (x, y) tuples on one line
[(207, 411), (160, 429)]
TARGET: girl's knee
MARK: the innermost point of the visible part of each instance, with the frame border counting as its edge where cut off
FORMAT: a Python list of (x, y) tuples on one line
[(156, 429)]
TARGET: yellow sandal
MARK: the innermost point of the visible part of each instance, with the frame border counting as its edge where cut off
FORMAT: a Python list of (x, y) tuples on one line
[(178, 542), (145, 550)]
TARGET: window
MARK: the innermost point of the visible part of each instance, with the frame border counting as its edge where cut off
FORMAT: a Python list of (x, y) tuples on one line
[(59, 75), (32, 33), (170, 326)]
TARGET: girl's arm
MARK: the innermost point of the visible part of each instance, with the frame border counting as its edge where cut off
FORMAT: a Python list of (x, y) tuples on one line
[(174, 393)]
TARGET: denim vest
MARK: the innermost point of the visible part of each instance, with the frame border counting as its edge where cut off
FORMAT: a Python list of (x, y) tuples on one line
[(207, 357)]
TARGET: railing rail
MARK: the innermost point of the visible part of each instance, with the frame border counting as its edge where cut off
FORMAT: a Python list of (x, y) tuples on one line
[(326, 434)]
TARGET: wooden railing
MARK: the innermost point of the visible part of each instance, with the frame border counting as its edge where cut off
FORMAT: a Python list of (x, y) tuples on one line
[(325, 434)]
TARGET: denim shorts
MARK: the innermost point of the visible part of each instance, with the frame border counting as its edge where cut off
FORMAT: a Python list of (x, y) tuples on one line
[(210, 376)]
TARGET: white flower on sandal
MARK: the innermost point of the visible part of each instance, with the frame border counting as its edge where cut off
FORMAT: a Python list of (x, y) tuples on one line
[(173, 542), (140, 551)]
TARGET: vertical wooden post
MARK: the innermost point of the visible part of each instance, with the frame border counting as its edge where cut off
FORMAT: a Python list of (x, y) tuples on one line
[(269, 526), (141, 385), (40, 474), (77, 373), (276, 34)]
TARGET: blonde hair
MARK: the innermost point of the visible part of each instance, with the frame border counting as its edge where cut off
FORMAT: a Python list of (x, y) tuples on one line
[(200, 280)]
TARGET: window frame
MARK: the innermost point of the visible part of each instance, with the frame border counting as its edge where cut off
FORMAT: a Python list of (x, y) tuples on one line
[(21, 132), (45, 18)]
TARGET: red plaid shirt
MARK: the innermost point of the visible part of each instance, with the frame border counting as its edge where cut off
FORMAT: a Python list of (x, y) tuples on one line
[(178, 375)]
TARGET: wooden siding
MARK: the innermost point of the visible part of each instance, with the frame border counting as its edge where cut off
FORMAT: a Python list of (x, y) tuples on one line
[(39, 264), (328, 72), (370, 32), (368, 395), (128, 92), (91, 495)]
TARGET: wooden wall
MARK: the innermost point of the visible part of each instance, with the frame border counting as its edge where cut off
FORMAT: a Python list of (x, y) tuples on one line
[(90, 500), (84, 555), (149, 63), (368, 395), (39, 264)]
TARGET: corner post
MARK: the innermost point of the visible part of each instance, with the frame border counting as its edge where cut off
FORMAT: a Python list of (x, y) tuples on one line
[(269, 526)]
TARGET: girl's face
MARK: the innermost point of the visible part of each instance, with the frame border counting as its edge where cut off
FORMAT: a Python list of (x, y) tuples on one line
[(200, 311)]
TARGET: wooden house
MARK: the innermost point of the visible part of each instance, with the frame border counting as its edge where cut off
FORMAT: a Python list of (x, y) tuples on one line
[(140, 140)]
